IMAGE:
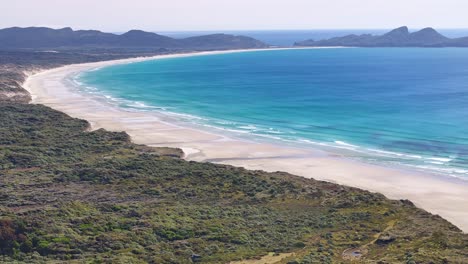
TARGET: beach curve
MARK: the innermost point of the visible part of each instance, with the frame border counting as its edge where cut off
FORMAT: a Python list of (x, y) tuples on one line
[(444, 196)]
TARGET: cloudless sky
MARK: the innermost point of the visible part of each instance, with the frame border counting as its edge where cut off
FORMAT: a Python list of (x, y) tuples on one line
[(185, 15)]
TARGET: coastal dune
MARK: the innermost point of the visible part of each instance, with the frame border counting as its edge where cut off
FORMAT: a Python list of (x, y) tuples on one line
[(445, 196)]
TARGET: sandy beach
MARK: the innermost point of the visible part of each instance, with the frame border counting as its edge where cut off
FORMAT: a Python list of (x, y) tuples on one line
[(444, 196)]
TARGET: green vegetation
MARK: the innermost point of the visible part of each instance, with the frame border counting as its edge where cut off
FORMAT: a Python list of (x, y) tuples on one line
[(70, 195)]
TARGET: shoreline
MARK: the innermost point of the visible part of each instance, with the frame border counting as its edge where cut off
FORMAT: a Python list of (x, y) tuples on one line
[(445, 196)]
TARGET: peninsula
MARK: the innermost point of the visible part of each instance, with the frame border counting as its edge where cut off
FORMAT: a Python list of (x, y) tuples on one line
[(400, 37)]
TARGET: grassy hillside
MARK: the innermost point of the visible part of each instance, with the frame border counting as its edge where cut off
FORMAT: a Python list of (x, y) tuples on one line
[(74, 196)]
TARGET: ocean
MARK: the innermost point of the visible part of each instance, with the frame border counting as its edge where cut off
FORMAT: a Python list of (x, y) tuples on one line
[(404, 107)]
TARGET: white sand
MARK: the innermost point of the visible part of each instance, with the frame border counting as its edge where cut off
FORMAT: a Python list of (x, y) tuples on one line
[(444, 196)]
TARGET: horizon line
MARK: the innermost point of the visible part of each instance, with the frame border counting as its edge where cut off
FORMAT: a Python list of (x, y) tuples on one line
[(221, 30)]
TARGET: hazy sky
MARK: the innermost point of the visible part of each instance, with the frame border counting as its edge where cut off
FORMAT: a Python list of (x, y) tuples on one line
[(168, 15)]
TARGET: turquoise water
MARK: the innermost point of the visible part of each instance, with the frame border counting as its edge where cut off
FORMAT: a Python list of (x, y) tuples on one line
[(391, 106)]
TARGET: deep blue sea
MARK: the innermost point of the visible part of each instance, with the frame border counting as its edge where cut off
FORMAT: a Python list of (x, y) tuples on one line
[(392, 106)]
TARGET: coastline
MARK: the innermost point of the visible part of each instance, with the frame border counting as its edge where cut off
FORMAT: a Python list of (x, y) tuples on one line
[(445, 196)]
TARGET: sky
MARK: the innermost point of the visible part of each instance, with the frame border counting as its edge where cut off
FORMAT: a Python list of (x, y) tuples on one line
[(187, 15)]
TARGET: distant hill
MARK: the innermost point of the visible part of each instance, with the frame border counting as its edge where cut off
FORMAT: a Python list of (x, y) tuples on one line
[(400, 37), (47, 38), (222, 41)]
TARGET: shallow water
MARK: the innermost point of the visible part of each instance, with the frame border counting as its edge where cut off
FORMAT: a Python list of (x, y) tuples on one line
[(404, 106)]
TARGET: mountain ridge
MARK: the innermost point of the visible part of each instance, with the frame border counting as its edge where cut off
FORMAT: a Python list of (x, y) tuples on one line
[(43, 38), (399, 37)]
